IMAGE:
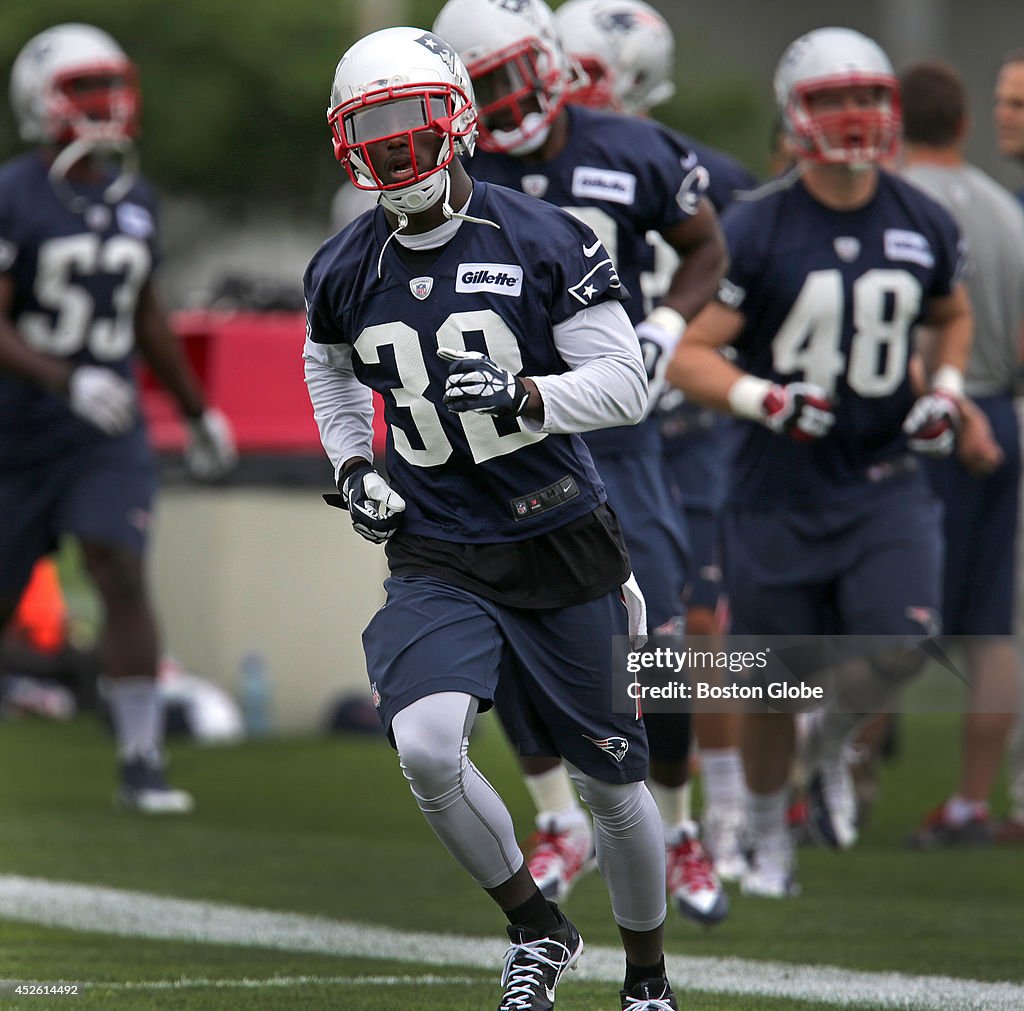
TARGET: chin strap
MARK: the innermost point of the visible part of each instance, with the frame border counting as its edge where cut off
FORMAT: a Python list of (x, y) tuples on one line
[(446, 209), (403, 220)]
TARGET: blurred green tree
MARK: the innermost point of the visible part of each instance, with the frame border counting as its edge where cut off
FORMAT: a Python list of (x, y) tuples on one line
[(235, 93)]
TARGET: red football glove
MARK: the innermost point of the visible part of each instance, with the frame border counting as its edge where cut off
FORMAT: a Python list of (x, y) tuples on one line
[(801, 411), (932, 424)]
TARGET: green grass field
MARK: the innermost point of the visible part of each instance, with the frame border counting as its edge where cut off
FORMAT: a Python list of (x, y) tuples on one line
[(326, 827)]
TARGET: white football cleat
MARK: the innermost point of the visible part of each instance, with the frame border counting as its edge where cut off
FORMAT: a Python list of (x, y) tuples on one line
[(832, 804), (770, 874), (142, 787), (559, 853), (722, 829), (695, 889)]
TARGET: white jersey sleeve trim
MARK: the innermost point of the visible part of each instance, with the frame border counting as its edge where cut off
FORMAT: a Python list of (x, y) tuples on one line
[(606, 385), (342, 405)]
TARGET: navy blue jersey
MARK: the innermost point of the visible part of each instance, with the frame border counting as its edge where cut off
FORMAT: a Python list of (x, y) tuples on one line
[(831, 297), (77, 278), (697, 442), (726, 176), (625, 178), (467, 477)]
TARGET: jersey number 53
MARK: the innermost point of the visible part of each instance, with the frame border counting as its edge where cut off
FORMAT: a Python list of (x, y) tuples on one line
[(71, 321)]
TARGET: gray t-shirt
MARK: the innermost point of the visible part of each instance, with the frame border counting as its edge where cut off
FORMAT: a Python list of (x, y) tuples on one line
[(991, 221)]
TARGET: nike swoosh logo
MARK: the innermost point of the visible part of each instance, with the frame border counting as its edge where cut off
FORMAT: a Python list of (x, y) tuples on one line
[(590, 250)]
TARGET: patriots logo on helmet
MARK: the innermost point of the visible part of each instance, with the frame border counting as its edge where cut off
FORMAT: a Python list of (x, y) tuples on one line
[(439, 48), (617, 21), (623, 22), (615, 746)]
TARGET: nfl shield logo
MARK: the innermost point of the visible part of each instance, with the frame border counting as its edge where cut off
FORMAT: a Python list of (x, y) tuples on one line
[(535, 186), (421, 287), (847, 248)]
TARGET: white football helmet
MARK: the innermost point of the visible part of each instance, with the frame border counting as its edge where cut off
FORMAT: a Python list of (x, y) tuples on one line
[(830, 58), (520, 72), (626, 49), (74, 83), (398, 83)]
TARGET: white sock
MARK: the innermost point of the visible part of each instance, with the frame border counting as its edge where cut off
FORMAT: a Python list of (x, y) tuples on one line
[(554, 795), (673, 806), (766, 813), (836, 729), (137, 715), (722, 777)]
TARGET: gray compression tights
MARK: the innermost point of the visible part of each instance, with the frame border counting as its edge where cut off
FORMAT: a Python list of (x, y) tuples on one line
[(468, 816)]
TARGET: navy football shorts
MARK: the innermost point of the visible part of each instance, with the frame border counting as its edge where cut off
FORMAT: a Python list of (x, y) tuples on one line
[(548, 670), (101, 493), (980, 527), (653, 527), (874, 570), (705, 584)]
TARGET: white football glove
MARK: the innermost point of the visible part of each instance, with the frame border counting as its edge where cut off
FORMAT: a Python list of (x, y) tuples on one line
[(802, 411), (476, 383), (210, 452), (103, 398), (659, 335), (375, 507), (933, 422)]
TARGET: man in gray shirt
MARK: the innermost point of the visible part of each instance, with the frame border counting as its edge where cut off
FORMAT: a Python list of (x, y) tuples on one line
[(979, 487), (1008, 109)]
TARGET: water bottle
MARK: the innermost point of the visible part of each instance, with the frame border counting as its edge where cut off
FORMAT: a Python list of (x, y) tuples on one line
[(255, 695)]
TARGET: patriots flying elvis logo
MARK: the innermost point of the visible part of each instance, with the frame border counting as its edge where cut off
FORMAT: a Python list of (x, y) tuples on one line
[(615, 746)]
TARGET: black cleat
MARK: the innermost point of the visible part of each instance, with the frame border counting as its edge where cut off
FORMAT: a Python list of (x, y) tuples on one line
[(534, 965)]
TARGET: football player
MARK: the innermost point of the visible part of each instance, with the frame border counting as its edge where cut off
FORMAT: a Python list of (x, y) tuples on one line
[(830, 526), (78, 246), (492, 326), (624, 177), (626, 48)]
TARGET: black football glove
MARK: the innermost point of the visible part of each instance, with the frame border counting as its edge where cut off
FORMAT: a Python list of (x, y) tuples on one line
[(376, 509), (475, 383)]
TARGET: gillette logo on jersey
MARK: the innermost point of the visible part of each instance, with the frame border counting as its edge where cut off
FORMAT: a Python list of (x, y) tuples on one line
[(499, 278), (604, 184), (912, 247)]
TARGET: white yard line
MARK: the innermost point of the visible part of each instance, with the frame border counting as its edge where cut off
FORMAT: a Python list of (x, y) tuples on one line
[(139, 914), (262, 983)]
